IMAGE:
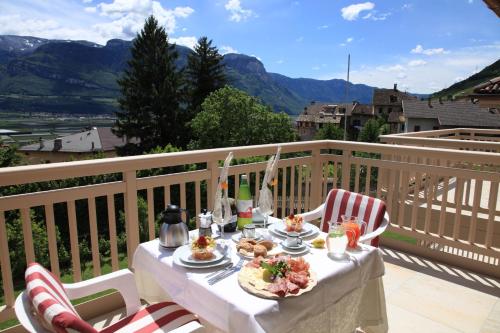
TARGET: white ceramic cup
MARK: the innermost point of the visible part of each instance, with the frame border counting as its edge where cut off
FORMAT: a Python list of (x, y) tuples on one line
[(293, 239)]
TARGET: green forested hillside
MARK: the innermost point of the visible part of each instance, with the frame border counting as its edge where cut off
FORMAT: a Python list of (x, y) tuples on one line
[(465, 87)]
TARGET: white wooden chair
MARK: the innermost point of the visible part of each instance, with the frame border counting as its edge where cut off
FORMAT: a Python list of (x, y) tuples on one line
[(45, 305), (341, 202)]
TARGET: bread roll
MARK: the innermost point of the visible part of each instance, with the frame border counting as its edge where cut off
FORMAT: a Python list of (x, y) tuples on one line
[(267, 244), (259, 250)]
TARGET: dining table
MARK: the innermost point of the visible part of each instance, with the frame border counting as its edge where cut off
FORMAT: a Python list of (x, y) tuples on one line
[(349, 293)]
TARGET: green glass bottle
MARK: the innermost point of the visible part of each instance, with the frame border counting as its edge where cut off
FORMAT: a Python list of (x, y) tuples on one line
[(244, 204)]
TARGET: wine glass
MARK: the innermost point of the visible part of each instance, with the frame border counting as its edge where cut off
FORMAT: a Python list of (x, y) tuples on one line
[(266, 205)]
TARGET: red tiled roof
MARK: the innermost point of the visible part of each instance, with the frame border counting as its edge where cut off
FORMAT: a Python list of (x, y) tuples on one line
[(492, 87)]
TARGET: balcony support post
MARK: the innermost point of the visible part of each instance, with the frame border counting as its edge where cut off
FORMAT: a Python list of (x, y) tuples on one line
[(316, 178), (346, 169), (131, 214), (213, 167)]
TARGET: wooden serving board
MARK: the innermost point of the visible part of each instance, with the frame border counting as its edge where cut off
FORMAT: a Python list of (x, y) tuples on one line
[(247, 282)]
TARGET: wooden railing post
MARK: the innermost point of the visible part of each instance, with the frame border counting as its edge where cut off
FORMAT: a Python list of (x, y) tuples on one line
[(316, 179), (8, 286), (346, 169), (213, 167), (131, 214)]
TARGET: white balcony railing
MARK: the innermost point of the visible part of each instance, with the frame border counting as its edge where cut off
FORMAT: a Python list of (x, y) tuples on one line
[(443, 203)]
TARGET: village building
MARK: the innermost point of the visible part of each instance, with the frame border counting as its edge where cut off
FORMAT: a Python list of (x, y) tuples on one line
[(488, 93), (432, 115), (388, 103), (73, 147), (315, 116)]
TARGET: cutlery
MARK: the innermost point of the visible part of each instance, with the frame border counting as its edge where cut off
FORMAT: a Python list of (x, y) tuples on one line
[(213, 274), (227, 273)]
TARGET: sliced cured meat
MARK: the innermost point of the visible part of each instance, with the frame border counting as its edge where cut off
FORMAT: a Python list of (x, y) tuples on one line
[(254, 263), (292, 287), (299, 279), (279, 287), (298, 265)]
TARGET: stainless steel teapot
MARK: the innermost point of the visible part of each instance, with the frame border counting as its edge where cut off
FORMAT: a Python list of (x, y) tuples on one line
[(173, 232)]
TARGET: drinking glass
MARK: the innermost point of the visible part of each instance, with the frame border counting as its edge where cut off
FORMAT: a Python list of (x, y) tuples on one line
[(266, 205)]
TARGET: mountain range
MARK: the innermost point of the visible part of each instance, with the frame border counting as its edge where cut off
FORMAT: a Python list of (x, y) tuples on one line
[(44, 75)]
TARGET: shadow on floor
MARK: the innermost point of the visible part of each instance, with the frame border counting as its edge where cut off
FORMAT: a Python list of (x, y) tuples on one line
[(476, 281)]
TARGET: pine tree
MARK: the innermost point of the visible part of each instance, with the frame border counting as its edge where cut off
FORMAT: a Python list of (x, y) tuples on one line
[(204, 73), (151, 93)]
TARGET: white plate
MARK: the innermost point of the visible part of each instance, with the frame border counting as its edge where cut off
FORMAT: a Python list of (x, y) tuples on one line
[(187, 257), (293, 248), (280, 228), (186, 248), (307, 230), (313, 233), (295, 252), (236, 237)]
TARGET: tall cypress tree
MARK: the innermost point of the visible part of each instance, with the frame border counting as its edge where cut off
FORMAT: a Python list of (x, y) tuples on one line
[(151, 93), (204, 73)]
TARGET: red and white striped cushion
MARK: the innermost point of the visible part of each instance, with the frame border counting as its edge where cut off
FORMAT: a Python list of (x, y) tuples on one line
[(341, 202), (160, 317), (50, 301)]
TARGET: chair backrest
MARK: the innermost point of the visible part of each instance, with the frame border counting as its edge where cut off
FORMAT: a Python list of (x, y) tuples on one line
[(51, 303), (341, 202)]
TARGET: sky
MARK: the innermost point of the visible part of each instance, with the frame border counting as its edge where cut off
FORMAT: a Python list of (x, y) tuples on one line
[(423, 45)]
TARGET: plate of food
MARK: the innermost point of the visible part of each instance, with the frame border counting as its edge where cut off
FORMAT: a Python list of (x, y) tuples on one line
[(252, 248), (277, 277), (202, 251), (239, 236), (181, 253), (304, 229)]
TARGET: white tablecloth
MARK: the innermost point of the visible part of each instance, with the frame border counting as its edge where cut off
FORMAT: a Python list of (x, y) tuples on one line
[(348, 295)]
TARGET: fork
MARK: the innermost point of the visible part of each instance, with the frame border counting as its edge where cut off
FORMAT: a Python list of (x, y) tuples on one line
[(227, 273), (220, 271)]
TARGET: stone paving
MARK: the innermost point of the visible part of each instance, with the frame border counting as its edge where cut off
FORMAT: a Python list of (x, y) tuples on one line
[(425, 296)]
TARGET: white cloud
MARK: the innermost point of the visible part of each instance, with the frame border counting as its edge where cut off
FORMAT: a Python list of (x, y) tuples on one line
[(322, 27), (407, 6), (258, 58), (392, 68), (224, 49), (86, 1), (351, 12), (127, 17), (316, 68), (238, 13), (350, 39), (471, 1), (185, 41), (438, 72), (184, 29), (420, 50), (300, 39), (281, 61), (90, 9), (417, 62)]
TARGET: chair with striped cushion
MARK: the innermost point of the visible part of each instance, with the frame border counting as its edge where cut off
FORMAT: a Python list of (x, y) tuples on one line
[(45, 305), (341, 202)]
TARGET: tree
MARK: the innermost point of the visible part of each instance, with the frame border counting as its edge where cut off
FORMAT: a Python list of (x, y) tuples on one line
[(229, 117), (9, 156), (151, 93), (370, 131), (204, 73), (329, 132)]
